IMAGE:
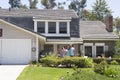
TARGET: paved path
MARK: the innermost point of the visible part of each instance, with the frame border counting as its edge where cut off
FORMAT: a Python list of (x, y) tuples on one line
[(10, 72)]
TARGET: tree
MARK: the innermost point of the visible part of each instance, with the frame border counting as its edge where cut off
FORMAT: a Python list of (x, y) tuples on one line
[(101, 9), (33, 4), (48, 4), (117, 22), (60, 5), (24, 6), (77, 5), (15, 3), (117, 47)]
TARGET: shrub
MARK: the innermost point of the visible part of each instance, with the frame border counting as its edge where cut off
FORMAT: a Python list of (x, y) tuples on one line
[(99, 68), (117, 59), (116, 56), (114, 62), (110, 72), (67, 61), (49, 61), (98, 60)]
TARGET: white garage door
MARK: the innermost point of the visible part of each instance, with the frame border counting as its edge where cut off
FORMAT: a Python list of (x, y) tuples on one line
[(15, 51)]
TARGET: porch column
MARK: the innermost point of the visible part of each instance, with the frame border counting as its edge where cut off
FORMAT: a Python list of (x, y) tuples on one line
[(37, 49), (68, 27), (46, 27), (94, 51), (82, 50), (55, 48), (35, 26)]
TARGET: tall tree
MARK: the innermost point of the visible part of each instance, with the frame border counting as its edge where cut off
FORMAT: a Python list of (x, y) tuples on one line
[(48, 4), (101, 9), (15, 3), (77, 5), (60, 5), (33, 4)]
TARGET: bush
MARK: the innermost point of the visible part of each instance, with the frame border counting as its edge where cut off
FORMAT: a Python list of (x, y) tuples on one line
[(117, 59), (99, 68), (114, 62), (67, 62), (116, 56), (49, 61), (98, 60), (110, 72)]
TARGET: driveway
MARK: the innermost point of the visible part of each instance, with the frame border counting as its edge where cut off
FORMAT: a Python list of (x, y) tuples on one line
[(10, 72)]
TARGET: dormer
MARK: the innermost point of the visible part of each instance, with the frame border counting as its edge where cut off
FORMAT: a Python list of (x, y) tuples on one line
[(51, 26)]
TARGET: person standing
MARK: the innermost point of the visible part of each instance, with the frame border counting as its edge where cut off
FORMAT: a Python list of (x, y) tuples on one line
[(72, 49)]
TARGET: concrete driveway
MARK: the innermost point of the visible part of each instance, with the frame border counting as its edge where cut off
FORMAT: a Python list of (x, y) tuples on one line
[(10, 72)]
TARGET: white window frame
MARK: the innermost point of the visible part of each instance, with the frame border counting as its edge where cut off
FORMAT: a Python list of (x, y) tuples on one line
[(57, 27), (100, 44)]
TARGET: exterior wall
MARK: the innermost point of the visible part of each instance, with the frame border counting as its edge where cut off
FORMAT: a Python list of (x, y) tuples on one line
[(10, 32)]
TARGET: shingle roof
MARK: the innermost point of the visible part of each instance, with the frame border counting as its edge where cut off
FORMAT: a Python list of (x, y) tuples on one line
[(36, 13), (95, 30)]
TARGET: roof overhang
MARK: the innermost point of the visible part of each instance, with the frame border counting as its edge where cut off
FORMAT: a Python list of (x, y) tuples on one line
[(41, 37), (63, 41), (101, 39)]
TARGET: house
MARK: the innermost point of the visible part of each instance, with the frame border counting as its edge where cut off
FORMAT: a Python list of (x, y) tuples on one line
[(24, 33)]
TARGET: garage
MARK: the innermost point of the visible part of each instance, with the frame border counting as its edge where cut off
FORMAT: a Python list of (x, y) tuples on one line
[(15, 51)]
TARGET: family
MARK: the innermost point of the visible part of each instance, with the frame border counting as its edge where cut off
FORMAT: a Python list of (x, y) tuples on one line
[(67, 51)]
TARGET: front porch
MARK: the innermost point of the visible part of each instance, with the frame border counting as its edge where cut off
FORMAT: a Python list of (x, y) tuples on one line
[(91, 49)]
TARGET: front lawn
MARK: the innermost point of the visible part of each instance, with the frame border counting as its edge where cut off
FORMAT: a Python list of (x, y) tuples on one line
[(43, 73), (47, 73)]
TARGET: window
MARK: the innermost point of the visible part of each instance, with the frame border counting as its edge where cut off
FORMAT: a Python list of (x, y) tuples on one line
[(1, 32), (41, 27), (99, 50), (63, 27), (88, 51), (51, 27)]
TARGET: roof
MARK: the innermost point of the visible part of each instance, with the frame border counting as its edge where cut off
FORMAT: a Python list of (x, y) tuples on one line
[(37, 13), (95, 30)]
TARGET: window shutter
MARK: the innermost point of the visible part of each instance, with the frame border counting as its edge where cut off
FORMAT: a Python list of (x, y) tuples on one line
[(1, 32)]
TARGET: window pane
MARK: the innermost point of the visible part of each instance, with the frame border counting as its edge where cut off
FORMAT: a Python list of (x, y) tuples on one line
[(41, 27), (51, 27), (63, 27), (99, 50), (88, 51)]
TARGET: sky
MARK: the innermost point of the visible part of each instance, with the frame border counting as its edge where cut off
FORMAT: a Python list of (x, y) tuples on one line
[(114, 5)]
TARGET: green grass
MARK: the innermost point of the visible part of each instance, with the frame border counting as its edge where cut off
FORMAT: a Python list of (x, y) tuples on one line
[(46, 73), (43, 73), (89, 74)]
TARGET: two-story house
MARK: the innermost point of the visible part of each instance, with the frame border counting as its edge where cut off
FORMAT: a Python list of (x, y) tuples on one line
[(24, 33)]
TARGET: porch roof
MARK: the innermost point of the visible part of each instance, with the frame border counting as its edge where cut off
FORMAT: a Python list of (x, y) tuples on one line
[(65, 41)]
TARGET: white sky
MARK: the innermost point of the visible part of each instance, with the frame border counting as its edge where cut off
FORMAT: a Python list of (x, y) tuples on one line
[(113, 4)]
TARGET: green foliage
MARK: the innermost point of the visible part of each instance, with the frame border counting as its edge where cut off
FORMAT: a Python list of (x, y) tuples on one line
[(77, 5), (114, 62), (67, 62), (98, 60), (48, 4), (100, 9), (117, 46), (15, 3), (111, 72), (38, 64), (33, 4), (49, 61), (116, 56), (99, 68)]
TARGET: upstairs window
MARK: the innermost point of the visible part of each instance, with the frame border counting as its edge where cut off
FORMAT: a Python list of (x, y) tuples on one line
[(41, 27), (51, 27), (62, 27)]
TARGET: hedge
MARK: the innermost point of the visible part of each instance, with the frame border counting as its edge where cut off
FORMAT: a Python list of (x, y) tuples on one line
[(67, 62)]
